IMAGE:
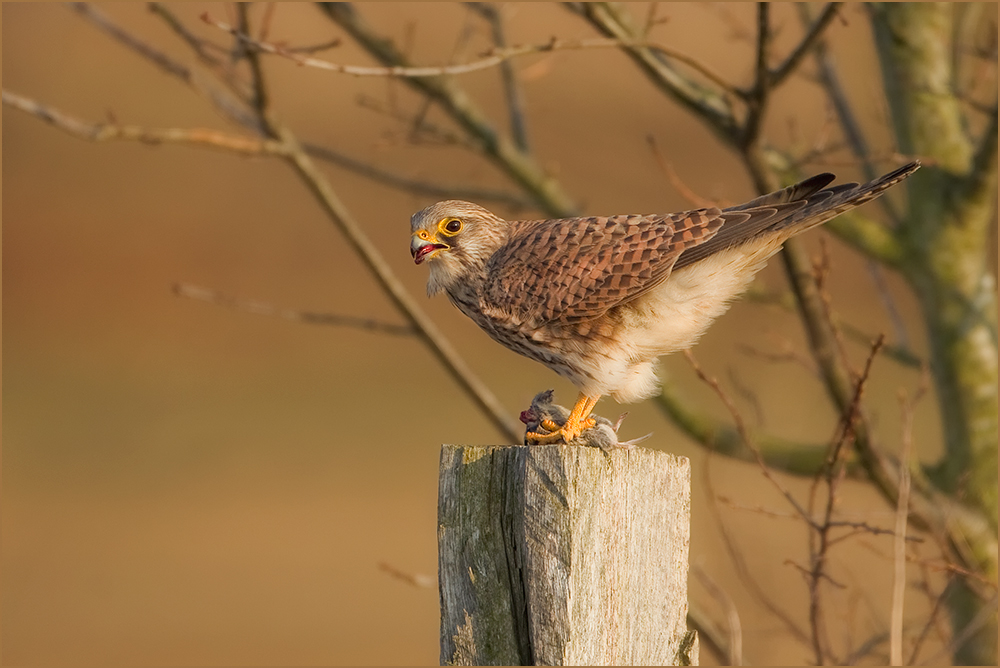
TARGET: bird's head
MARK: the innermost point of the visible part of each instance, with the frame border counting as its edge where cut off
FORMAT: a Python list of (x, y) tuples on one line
[(454, 238)]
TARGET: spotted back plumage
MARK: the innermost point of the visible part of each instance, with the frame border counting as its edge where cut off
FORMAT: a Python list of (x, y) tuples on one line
[(575, 269)]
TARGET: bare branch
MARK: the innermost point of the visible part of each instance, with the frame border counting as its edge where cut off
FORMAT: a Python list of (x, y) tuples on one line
[(493, 58), (231, 108), (162, 60), (713, 106), (419, 130), (109, 132), (519, 166), (865, 648), (709, 633), (928, 625), (416, 579), (675, 180), (512, 91), (981, 181), (795, 458), (739, 563), (260, 99), (735, 653), (428, 188), (306, 317), (780, 73), (848, 121), (757, 97), (865, 528), (820, 542), (902, 511), (762, 80), (963, 635), (202, 50), (200, 46), (745, 436), (335, 210), (391, 285)]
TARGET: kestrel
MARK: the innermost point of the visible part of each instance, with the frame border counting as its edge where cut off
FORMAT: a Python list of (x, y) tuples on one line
[(598, 299)]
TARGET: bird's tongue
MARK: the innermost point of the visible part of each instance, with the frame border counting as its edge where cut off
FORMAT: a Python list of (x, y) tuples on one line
[(423, 251)]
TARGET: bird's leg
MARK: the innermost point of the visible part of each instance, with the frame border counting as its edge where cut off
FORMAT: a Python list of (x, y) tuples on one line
[(579, 419)]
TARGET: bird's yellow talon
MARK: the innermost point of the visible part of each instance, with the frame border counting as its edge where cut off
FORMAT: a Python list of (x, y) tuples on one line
[(549, 425), (577, 422)]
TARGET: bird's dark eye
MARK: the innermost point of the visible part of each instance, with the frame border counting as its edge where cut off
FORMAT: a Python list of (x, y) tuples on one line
[(453, 226)]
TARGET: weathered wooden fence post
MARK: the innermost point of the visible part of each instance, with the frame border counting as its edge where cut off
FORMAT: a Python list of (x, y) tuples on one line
[(563, 555)]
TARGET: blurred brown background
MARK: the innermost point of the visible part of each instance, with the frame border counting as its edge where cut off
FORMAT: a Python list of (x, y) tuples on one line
[(187, 484)]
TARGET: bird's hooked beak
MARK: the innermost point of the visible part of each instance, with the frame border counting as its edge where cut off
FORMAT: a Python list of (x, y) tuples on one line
[(423, 244)]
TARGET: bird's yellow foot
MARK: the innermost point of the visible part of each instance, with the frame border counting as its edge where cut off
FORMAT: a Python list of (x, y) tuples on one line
[(577, 422), (565, 434)]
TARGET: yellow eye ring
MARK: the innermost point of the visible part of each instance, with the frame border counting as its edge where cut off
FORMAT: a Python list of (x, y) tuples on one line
[(450, 226)]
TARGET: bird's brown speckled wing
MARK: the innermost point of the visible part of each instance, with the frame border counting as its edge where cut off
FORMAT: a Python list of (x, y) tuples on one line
[(575, 269), (796, 208)]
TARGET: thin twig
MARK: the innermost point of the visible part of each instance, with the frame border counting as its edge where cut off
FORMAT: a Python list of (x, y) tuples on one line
[(521, 167), (417, 186), (265, 22), (781, 72), (222, 101), (512, 90), (725, 601), (713, 105), (492, 58), (307, 317), (742, 431), (830, 81), (428, 331), (161, 59), (856, 140), (865, 648), (200, 46), (792, 457), (710, 635), (899, 543), (260, 100), (962, 636), (109, 132), (307, 171), (416, 579), (820, 541), (418, 128), (758, 96), (864, 527), (739, 563), (931, 618), (682, 189), (757, 509), (982, 174)]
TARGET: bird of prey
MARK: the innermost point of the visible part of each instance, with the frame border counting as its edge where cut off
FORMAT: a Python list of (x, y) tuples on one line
[(598, 299)]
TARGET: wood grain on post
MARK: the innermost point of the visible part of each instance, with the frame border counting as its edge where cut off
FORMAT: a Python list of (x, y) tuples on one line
[(563, 555)]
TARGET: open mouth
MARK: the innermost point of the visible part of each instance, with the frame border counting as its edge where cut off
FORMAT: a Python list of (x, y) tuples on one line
[(421, 253)]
